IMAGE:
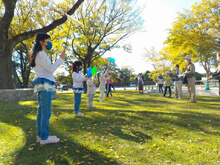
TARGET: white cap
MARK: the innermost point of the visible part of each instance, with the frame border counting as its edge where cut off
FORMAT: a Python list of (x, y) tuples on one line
[(167, 72), (188, 57)]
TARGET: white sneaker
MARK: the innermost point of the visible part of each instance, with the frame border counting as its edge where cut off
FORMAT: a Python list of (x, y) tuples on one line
[(79, 114), (38, 138), (101, 100), (49, 140), (175, 98), (180, 98)]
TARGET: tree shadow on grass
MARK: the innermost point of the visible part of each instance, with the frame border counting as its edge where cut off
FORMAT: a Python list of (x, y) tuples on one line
[(150, 101), (107, 122), (65, 152), (135, 136), (184, 117), (194, 121)]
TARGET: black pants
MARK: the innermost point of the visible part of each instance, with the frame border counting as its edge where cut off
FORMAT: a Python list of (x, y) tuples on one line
[(108, 89), (160, 88), (165, 91)]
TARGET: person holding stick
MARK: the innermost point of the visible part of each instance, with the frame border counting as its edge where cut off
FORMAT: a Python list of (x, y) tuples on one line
[(44, 84)]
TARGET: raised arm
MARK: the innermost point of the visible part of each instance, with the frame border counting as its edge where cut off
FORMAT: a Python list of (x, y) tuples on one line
[(46, 64)]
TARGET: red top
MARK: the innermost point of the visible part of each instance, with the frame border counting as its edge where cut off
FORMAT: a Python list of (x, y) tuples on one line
[(109, 80)]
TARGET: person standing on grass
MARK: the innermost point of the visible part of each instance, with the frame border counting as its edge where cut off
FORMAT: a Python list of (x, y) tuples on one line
[(191, 79), (178, 83), (167, 84), (216, 74), (111, 87), (78, 89), (102, 80), (44, 84), (160, 83), (108, 86), (91, 90), (140, 83)]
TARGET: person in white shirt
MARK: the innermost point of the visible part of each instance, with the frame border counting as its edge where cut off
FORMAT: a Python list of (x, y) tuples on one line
[(178, 83), (91, 90), (102, 80), (78, 89), (44, 84)]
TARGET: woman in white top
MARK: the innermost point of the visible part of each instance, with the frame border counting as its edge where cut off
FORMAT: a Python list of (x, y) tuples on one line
[(78, 86), (45, 84), (102, 81)]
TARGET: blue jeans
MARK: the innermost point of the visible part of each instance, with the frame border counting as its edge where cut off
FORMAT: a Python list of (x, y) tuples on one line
[(44, 113), (77, 101)]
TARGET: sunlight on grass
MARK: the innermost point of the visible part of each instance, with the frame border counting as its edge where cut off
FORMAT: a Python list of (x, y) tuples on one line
[(12, 140), (31, 116), (127, 129)]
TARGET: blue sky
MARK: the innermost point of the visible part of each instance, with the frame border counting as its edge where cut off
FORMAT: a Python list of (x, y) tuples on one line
[(158, 16)]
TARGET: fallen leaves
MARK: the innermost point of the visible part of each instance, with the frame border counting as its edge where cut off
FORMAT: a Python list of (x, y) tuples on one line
[(30, 148)]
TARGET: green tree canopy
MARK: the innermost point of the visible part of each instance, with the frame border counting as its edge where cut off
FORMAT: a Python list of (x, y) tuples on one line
[(195, 32)]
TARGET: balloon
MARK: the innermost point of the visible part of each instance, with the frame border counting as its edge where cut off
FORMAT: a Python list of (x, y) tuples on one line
[(111, 60), (89, 72), (74, 20), (94, 71)]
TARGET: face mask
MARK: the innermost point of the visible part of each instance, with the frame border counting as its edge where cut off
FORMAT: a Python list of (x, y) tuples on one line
[(186, 61), (80, 69), (49, 45), (218, 59)]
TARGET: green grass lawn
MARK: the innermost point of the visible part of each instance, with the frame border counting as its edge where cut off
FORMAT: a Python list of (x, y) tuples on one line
[(127, 129)]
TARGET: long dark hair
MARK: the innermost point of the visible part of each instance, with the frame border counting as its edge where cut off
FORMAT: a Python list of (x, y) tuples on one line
[(37, 47), (76, 63)]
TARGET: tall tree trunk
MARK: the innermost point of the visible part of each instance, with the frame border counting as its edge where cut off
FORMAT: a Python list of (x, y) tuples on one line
[(26, 77), (6, 81), (206, 67), (16, 79), (6, 44)]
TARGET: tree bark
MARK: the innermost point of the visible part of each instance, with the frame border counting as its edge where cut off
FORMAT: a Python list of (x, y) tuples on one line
[(6, 81), (16, 79), (6, 45)]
